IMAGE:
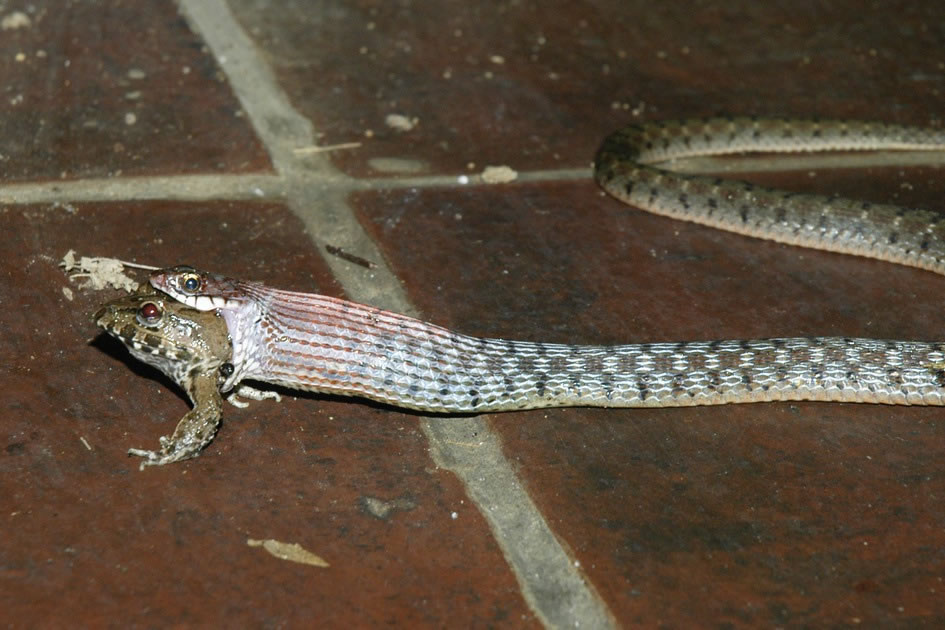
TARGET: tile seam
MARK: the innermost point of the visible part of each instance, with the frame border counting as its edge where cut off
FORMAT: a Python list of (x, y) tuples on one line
[(259, 186), (198, 187), (148, 187), (331, 218)]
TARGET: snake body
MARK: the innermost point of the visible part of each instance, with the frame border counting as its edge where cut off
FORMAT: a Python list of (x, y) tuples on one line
[(625, 168), (318, 343)]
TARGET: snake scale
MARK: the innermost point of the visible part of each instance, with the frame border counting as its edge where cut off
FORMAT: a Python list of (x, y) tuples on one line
[(318, 343)]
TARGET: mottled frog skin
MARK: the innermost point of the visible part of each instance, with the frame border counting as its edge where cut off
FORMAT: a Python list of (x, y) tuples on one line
[(191, 347)]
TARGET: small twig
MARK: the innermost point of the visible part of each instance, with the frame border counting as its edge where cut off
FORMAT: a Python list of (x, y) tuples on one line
[(340, 253), (136, 265)]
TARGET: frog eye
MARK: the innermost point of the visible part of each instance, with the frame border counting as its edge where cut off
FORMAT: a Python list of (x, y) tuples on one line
[(149, 314), (190, 283)]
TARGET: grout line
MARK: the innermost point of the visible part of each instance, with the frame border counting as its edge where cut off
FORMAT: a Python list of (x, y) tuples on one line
[(258, 186), (553, 585), (533, 552), (279, 126), (465, 180), (170, 187), (267, 186)]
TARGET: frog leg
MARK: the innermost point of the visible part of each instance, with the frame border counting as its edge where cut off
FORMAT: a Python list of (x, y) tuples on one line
[(195, 430)]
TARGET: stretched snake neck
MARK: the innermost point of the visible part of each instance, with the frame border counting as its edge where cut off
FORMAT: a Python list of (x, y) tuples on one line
[(624, 167)]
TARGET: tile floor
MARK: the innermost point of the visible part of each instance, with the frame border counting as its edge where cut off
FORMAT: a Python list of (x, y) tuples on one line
[(202, 132)]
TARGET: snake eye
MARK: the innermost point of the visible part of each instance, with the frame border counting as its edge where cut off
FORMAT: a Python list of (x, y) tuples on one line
[(149, 314), (191, 283)]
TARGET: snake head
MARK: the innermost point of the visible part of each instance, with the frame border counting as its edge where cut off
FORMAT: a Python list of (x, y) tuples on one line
[(197, 289), (182, 280)]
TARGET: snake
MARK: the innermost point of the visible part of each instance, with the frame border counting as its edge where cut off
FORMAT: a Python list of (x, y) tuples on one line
[(318, 343)]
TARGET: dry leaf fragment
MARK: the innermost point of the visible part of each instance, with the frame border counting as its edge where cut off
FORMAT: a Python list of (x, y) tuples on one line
[(293, 552)]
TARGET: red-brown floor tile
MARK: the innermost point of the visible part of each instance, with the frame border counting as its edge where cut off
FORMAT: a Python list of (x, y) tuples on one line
[(90, 541), (537, 84), (111, 88), (788, 515), (777, 514)]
